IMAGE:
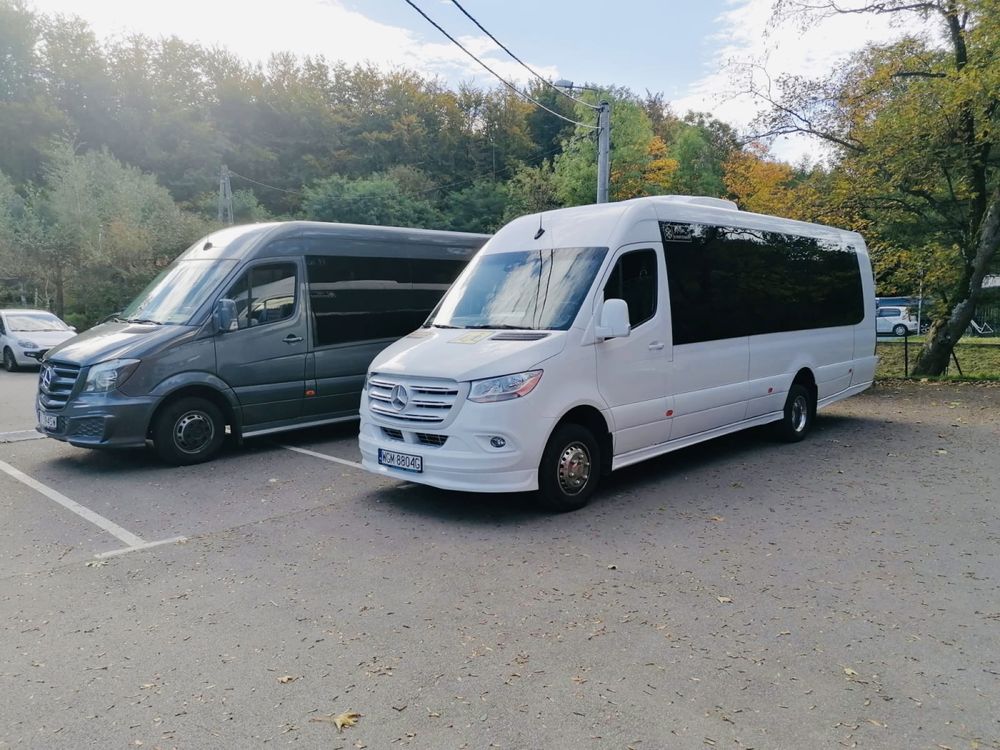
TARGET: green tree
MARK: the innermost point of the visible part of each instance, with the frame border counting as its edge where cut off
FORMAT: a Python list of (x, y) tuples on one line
[(913, 126), (530, 190), (97, 232), (371, 200), (477, 208)]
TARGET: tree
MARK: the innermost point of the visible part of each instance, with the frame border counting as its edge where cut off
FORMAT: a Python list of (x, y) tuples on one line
[(478, 207), (371, 200), (97, 231), (913, 127), (530, 190)]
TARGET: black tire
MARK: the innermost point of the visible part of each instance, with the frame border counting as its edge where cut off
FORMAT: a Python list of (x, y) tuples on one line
[(899, 330), (570, 469), (189, 431), (9, 363), (800, 411)]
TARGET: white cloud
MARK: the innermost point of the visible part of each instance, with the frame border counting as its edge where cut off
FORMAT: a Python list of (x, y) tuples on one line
[(304, 27), (746, 37)]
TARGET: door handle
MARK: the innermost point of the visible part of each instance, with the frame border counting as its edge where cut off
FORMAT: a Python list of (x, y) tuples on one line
[(292, 339), (656, 346)]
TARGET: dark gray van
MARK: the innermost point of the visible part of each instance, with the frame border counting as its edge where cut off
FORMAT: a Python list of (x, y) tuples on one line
[(261, 328)]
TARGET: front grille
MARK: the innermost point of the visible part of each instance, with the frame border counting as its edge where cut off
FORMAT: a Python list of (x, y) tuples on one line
[(90, 427), (392, 434), (56, 381), (426, 438), (411, 400)]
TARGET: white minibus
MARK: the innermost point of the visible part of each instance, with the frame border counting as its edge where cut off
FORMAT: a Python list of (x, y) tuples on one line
[(583, 340)]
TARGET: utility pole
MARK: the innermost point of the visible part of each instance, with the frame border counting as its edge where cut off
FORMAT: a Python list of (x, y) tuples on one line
[(603, 151), (225, 196), (603, 138)]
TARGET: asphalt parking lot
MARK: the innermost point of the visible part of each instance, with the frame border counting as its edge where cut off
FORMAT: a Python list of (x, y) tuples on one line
[(742, 594)]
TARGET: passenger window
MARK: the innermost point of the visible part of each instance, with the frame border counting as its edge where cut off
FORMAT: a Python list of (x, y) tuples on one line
[(264, 294), (367, 298), (633, 279)]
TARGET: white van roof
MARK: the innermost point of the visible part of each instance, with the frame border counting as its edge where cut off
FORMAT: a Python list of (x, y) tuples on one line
[(638, 220)]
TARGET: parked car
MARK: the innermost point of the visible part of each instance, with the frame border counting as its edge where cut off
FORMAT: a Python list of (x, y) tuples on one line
[(25, 336), (895, 321)]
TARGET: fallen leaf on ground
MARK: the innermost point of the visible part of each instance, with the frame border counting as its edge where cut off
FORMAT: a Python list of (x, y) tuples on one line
[(850, 672), (724, 599), (716, 518), (285, 679), (96, 563), (346, 719)]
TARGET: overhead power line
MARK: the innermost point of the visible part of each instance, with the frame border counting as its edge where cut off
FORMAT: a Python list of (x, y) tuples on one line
[(263, 184), (523, 64), (496, 75)]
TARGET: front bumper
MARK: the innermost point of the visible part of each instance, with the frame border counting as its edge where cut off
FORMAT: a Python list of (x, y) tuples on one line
[(467, 460), (107, 420)]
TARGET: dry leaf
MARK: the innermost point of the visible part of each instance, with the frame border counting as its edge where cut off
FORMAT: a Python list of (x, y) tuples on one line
[(850, 672), (724, 599), (346, 719), (717, 519), (941, 452), (96, 563), (285, 679)]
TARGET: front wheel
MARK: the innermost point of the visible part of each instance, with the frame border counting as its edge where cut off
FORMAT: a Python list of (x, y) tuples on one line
[(900, 330), (9, 363), (570, 469), (189, 431), (800, 410)]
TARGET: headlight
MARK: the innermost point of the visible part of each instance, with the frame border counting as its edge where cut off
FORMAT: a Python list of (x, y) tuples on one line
[(27, 344), (505, 387), (106, 376)]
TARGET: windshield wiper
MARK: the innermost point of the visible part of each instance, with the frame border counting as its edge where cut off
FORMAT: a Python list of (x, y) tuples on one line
[(144, 320), (440, 325)]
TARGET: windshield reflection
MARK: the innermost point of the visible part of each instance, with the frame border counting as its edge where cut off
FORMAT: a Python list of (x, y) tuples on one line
[(35, 322), (176, 293), (529, 289)]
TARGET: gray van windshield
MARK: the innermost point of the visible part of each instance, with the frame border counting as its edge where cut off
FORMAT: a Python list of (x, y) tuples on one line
[(174, 295), (534, 289)]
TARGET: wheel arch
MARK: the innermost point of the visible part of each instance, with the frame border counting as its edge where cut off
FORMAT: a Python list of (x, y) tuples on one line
[(200, 390), (807, 379), (591, 417)]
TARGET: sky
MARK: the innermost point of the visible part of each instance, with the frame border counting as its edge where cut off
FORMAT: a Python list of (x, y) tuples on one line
[(687, 50)]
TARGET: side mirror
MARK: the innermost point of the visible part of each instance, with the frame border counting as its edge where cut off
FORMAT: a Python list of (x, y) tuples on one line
[(73, 329), (225, 316), (614, 320)]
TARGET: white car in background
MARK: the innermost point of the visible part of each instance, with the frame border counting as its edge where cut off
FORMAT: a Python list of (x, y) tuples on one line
[(25, 336), (895, 321)]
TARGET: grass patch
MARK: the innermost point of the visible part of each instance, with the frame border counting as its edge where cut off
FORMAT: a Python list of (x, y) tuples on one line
[(979, 358)]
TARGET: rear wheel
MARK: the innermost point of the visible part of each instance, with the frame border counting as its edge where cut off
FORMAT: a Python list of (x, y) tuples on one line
[(570, 469), (9, 363), (189, 431), (800, 410), (899, 330)]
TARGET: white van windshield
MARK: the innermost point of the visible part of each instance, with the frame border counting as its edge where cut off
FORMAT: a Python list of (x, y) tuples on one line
[(529, 289), (175, 295)]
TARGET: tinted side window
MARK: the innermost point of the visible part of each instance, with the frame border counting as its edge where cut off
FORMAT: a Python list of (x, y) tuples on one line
[(264, 294), (361, 298), (633, 279), (727, 282)]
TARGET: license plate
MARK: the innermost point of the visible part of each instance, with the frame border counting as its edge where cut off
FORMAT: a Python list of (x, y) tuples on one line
[(403, 461), (48, 421)]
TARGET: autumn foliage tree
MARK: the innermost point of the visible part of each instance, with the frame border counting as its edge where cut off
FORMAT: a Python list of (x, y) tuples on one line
[(914, 127)]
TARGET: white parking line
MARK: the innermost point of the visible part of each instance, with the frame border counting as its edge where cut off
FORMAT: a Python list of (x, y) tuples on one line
[(324, 456), (133, 541), (20, 435)]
